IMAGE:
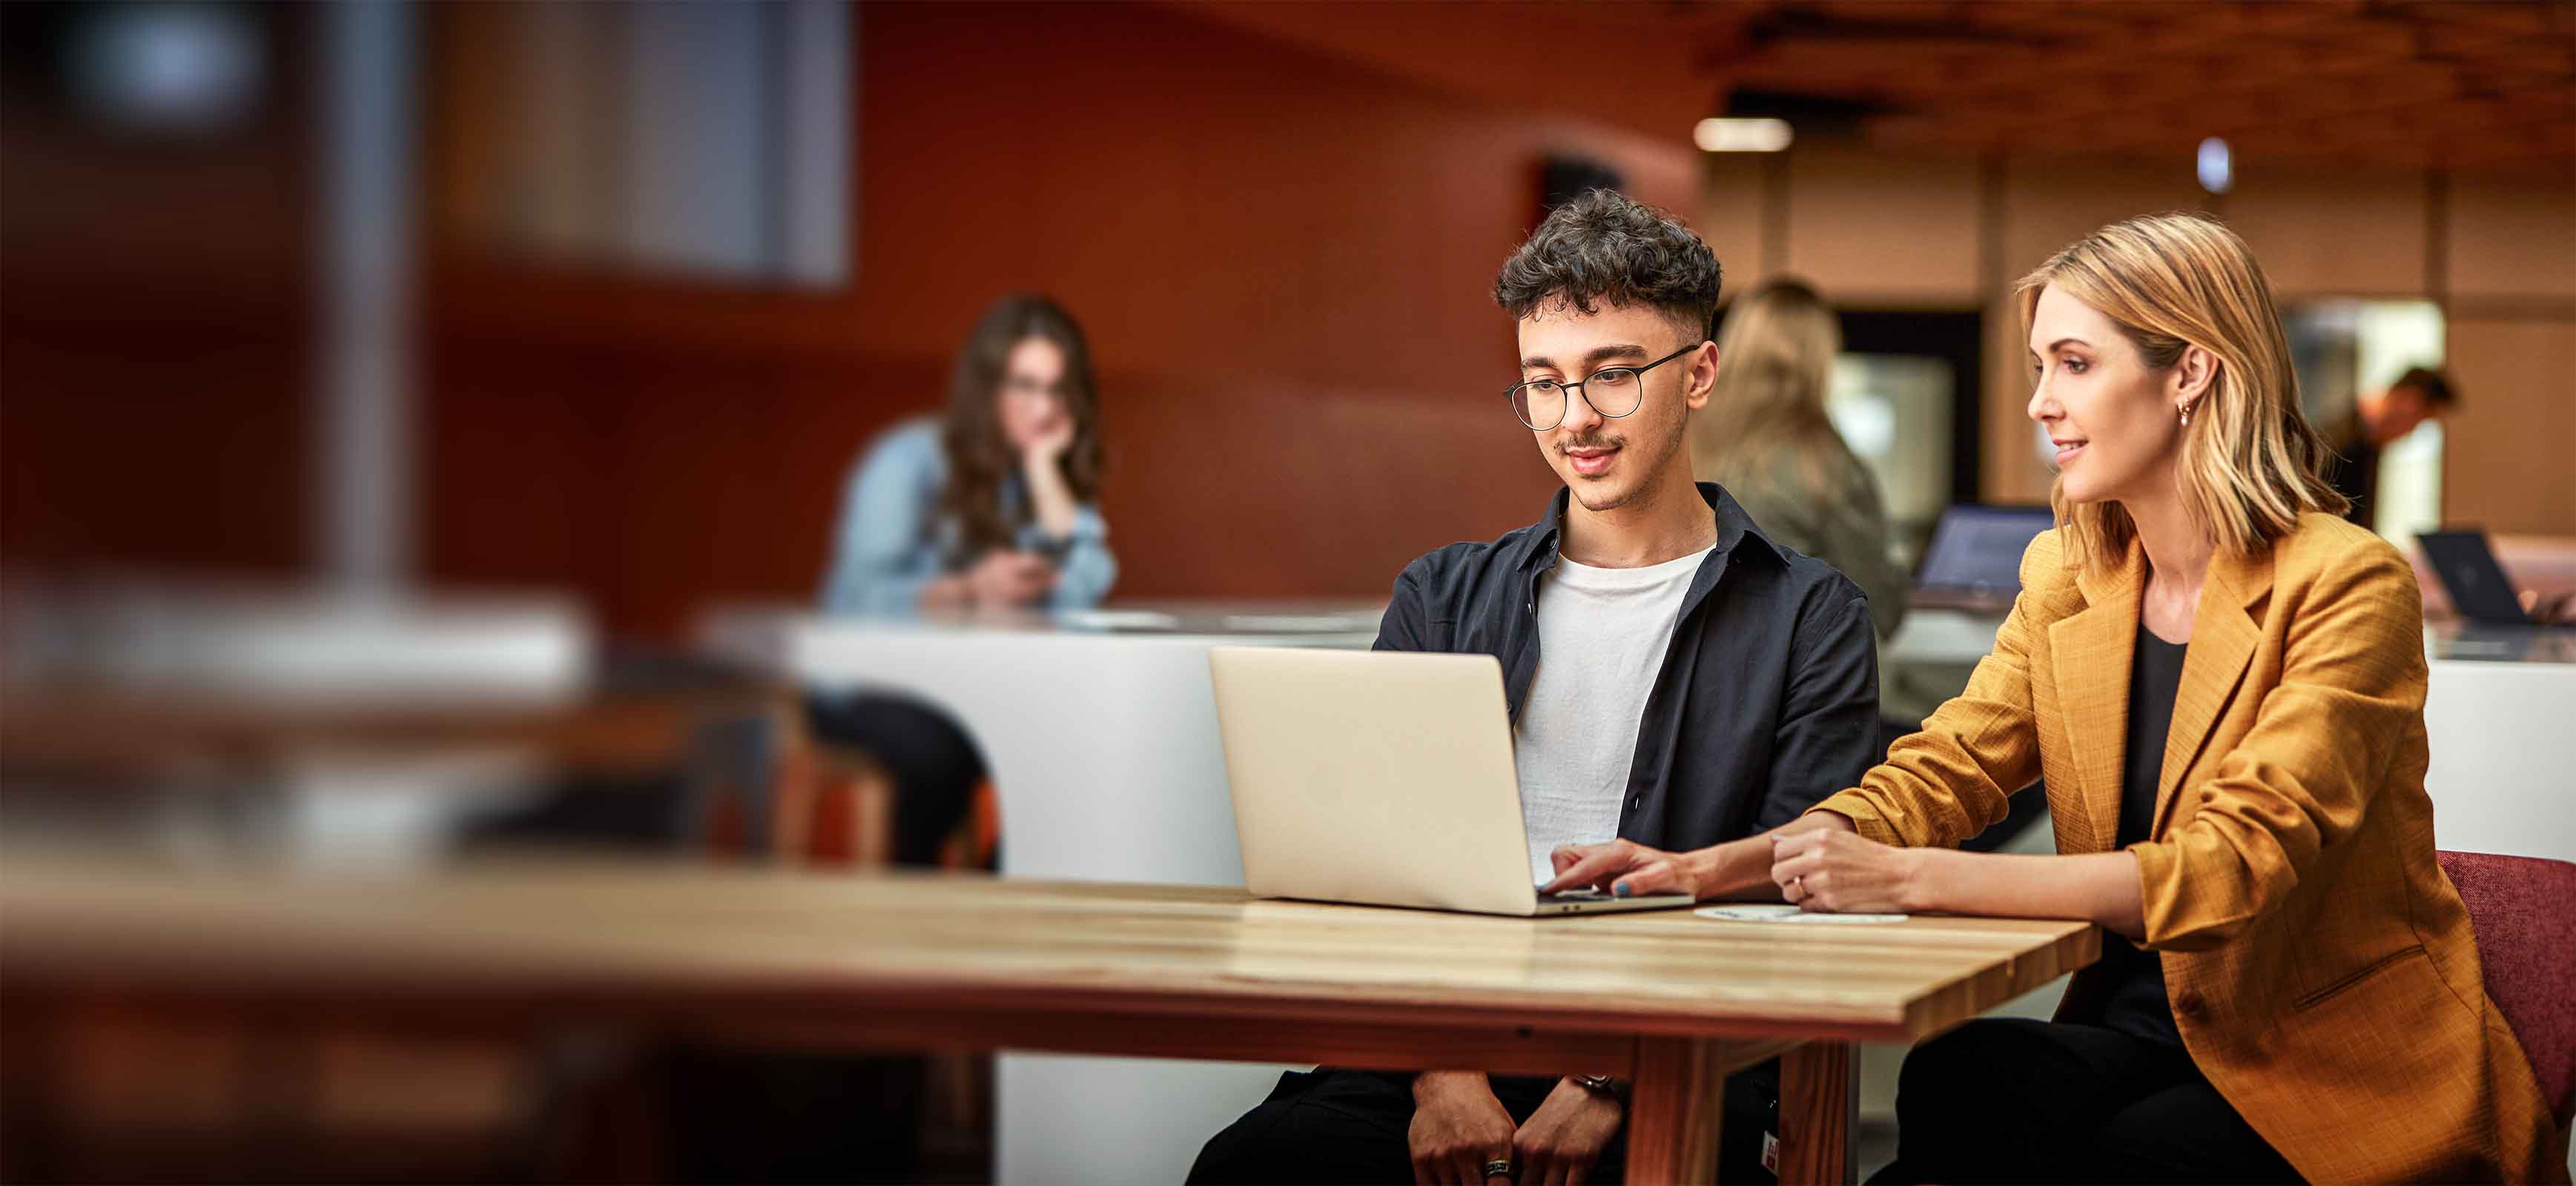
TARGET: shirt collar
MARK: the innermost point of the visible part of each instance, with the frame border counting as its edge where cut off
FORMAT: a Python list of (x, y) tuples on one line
[(1538, 545)]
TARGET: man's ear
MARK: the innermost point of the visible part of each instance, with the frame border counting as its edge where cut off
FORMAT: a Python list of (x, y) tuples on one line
[(1703, 376)]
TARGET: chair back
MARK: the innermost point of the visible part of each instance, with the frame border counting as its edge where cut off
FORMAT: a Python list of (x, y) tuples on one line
[(2524, 911)]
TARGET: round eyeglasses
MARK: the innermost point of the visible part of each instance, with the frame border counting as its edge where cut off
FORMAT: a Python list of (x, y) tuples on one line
[(1612, 391)]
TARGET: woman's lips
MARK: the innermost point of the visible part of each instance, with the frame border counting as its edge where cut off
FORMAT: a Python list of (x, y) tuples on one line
[(2068, 450)]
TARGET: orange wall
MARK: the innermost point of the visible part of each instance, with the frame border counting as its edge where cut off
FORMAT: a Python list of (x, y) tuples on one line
[(1283, 260)]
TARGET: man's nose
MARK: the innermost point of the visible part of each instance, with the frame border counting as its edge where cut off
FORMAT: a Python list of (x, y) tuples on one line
[(1580, 415)]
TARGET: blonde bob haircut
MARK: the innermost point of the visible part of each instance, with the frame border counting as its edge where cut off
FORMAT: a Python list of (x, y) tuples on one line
[(2249, 462), (1778, 344)]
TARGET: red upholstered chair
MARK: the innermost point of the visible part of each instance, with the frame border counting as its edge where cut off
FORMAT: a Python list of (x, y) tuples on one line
[(2524, 909)]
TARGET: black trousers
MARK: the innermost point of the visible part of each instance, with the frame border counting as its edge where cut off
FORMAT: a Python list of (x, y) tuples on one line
[(934, 764), (1346, 1127), (2017, 1100), (774, 1117)]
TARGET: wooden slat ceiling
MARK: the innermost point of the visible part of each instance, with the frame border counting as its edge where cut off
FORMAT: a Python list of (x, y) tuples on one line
[(2416, 83), (2426, 84)]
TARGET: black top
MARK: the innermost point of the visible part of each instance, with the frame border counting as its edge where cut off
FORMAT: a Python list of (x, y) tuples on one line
[(2354, 469), (1767, 700), (2135, 1003)]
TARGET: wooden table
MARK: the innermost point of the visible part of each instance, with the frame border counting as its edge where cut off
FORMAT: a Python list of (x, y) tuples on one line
[(1100, 733), (730, 735), (639, 711), (1668, 999)]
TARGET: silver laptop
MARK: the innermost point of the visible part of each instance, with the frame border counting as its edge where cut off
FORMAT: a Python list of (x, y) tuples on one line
[(1381, 778)]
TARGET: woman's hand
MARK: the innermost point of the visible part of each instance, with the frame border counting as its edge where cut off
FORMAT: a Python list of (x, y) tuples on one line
[(1051, 442), (1051, 498), (1625, 868), (1830, 869), (1009, 580)]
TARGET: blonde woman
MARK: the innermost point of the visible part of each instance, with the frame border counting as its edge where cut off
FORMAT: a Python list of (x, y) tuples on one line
[(1765, 437), (2223, 684)]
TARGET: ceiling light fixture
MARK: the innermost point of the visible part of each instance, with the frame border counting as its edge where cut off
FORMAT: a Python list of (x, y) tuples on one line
[(2217, 166), (1741, 135)]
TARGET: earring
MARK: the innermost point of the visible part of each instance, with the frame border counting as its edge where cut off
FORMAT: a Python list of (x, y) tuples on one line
[(2186, 413)]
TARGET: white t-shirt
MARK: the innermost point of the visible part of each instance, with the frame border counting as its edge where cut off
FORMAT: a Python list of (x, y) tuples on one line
[(1602, 633)]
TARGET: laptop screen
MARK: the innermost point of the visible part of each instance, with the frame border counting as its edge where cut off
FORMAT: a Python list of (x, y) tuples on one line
[(2470, 575), (1980, 547)]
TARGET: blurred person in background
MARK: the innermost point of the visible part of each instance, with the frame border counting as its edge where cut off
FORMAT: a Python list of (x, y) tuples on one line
[(1766, 438), (988, 508), (991, 506), (2224, 683), (1672, 674), (2375, 422)]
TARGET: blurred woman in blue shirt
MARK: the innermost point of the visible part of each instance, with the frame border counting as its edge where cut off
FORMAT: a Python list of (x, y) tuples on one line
[(991, 506)]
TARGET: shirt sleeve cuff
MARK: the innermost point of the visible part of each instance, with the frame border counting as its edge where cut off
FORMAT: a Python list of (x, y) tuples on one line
[(2156, 862), (1864, 818)]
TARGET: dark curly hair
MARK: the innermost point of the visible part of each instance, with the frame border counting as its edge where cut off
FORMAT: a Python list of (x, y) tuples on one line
[(2433, 385), (1604, 248)]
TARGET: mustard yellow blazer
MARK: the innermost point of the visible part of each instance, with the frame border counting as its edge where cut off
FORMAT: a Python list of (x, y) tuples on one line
[(2320, 965)]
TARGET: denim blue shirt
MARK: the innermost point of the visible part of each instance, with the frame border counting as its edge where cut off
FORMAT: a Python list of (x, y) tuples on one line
[(890, 543)]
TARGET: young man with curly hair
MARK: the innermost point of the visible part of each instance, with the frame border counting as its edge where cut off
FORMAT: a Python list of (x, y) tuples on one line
[(1675, 680)]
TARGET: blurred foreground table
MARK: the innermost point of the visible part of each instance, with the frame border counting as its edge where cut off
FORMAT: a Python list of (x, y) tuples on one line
[(359, 726), (365, 780), (640, 712), (897, 962), (1099, 730)]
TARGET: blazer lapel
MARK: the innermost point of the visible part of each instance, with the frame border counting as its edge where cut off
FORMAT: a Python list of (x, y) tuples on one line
[(2089, 653), (2223, 637)]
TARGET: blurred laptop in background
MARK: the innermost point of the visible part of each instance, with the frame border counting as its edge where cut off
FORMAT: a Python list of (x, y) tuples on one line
[(2477, 585), (1974, 561)]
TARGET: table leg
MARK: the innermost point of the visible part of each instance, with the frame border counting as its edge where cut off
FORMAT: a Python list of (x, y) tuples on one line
[(1674, 1106), (1819, 1099)]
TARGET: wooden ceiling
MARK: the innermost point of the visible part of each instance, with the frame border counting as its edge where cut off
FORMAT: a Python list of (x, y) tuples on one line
[(2404, 83), (2416, 83)]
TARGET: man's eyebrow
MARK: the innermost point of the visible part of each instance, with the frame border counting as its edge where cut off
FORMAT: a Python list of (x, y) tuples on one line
[(1593, 357)]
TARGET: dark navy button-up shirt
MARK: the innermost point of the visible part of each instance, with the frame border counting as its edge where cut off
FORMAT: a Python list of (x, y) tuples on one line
[(1767, 701)]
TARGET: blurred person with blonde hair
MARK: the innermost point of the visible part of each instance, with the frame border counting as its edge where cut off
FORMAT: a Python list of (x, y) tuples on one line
[(1765, 438), (2223, 683)]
